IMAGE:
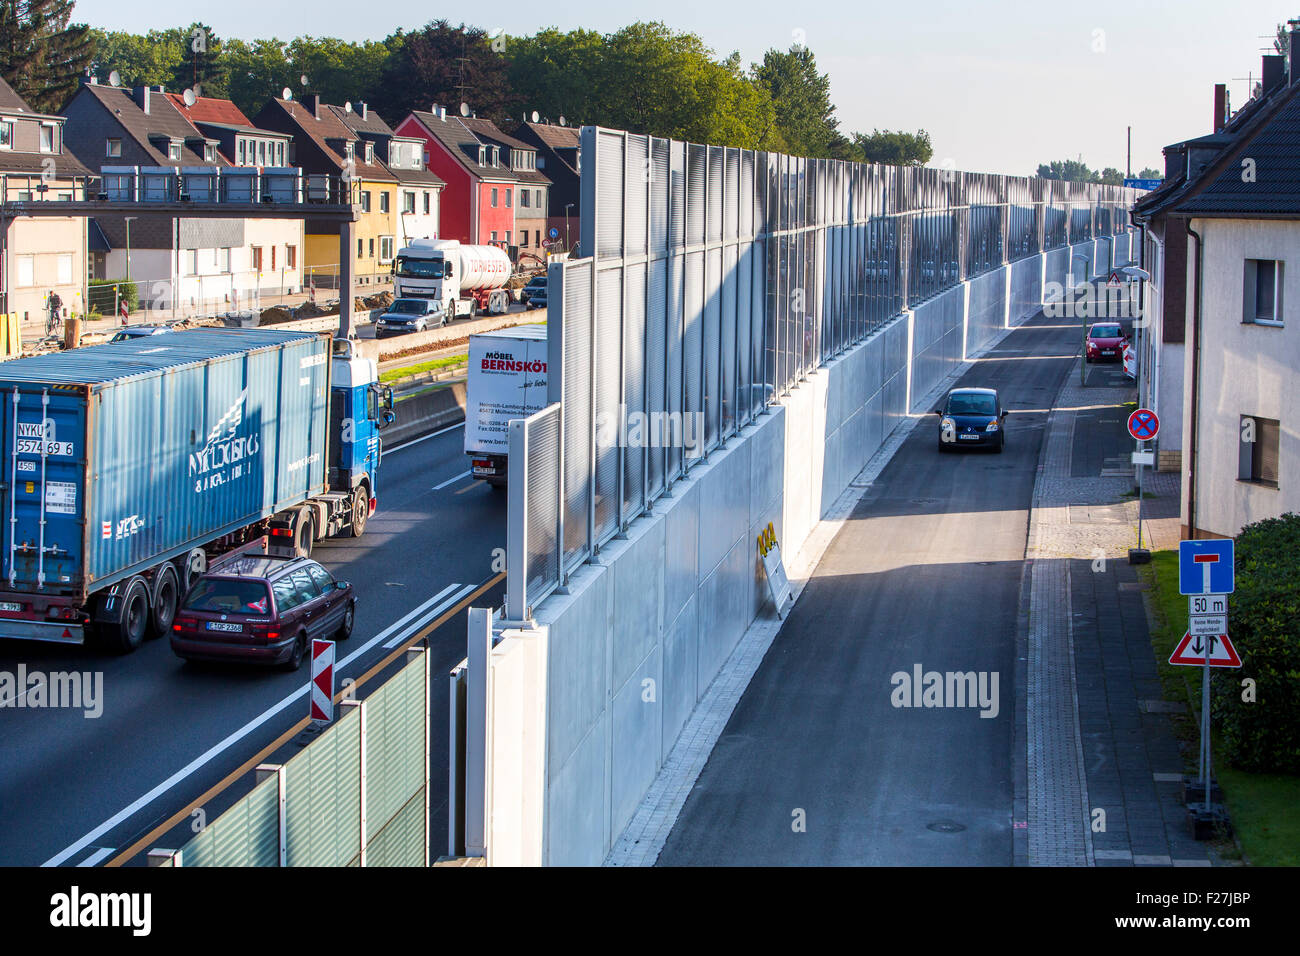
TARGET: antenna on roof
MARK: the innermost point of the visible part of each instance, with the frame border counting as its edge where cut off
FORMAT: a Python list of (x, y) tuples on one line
[(189, 97), (464, 109), (562, 121), (303, 79), (347, 107), (115, 78), (286, 94), (535, 116)]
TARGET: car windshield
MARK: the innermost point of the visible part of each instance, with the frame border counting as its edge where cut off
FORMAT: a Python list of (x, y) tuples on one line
[(409, 307), (419, 268), (972, 403), (228, 596), (1105, 331)]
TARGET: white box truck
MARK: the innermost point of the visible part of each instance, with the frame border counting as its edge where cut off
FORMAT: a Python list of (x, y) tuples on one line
[(506, 379)]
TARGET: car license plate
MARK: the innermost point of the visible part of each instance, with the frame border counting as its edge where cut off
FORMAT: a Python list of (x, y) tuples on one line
[(10, 606), (219, 626), (1107, 351), (969, 437)]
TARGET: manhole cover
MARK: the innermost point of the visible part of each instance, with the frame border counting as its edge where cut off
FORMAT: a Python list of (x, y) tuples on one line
[(945, 826)]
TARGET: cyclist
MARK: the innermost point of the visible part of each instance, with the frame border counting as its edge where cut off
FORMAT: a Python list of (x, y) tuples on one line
[(55, 304)]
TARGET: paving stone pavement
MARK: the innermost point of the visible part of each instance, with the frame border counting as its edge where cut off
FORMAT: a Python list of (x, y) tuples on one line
[(1103, 768)]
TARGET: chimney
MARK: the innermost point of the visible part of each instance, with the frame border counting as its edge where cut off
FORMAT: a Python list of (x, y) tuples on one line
[(361, 111), (1220, 107), (90, 79), (1293, 51), (1274, 76), (311, 102), (141, 96), (442, 113)]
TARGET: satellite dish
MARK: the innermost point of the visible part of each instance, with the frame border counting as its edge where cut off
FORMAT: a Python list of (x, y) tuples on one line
[(347, 107), (286, 94), (189, 97), (115, 78), (536, 116), (303, 79), (562, 121), (464, 109)]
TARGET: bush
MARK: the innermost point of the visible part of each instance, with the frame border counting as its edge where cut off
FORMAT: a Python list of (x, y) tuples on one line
[(101, 295), (1264, 623)]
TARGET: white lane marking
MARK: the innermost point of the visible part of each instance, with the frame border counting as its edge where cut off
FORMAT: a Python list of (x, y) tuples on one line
[(217, 749), (450, 481), (416, 441), (94, 858), (397, 639)]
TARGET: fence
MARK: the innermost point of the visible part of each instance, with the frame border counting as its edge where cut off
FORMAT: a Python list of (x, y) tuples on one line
[(356, 796), (716, 279)]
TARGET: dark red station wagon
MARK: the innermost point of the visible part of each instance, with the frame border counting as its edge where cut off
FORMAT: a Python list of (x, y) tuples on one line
[(260, 608)]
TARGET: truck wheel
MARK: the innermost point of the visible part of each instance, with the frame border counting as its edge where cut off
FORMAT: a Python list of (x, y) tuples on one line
[(191, 567), (305, 535), (166, 596), (127, 632), (360, 511)]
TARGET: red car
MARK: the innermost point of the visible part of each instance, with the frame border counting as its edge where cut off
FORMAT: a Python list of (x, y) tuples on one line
[(255, 607), (1106, 341)]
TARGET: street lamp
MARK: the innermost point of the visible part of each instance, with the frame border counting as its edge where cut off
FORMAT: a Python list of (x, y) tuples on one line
[(128, 248), (1139, 555), (567, 207)]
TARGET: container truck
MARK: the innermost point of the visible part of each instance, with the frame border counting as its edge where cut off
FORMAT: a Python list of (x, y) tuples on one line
[(129, 465), (505, 379), (463, 278)]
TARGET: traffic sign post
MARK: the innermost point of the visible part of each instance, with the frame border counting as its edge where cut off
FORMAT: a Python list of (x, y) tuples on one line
[(1144, 426), (1205, 575)]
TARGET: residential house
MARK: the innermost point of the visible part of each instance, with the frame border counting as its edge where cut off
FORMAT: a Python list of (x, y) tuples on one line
[(416, 201), (324, 144), (478, 204), (531, 191), (559, 156), (1223, 247), (145, 142), (39, 255)]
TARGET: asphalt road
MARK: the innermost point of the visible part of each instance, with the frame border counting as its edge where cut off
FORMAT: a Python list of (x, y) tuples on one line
[(817, 766), (76, 789)]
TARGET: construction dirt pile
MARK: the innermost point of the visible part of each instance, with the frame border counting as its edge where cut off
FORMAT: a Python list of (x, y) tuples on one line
[(274, 315), (380, 300)]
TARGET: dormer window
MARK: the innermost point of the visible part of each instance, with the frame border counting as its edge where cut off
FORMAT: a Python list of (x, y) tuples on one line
[(113, 150), (6, 134), (348, 152), (492, 156), (370, 152), (209, 153), (482, 155), (174, 152)]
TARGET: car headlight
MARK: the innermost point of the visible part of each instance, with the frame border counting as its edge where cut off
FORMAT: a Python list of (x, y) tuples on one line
[(991, 426)]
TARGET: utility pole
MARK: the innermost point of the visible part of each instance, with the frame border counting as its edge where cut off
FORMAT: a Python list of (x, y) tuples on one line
[(1128, 163)]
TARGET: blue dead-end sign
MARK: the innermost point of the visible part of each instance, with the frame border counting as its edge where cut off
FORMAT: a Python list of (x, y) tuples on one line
[(1205, 566)]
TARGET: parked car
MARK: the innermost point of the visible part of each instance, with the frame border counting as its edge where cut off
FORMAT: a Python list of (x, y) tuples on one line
[(264, 609), (1106, 341), (138, 332), (972, 416), (534, 295), (410, 315)]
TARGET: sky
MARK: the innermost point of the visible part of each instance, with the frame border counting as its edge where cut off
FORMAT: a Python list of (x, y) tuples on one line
[(1000, 86)]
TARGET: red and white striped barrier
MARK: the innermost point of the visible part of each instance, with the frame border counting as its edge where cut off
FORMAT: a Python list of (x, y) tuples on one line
[(322, 680)]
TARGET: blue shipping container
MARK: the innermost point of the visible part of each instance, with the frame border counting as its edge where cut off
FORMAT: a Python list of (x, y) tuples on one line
[(119, 456)]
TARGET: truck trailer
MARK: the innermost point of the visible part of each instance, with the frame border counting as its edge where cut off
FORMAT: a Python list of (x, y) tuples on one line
[(463, 278), (505, 378), (129, 465)]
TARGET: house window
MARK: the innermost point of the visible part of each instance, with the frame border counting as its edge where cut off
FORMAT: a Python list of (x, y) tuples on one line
[(291, 257), (47, 137), (538, 204), (408, 202), (385, 248), (426, 203), (372, 248), (279, 154), (1257, 450), (494, 235), (7, 135), (370, 152), (537, 237), (1262, 301), (114, 149), (361, 248), (365, 200), (273, 258), (523, 238), (508, 198), (189, 262), (174, 152), (26, 270), (383, 202), (507, 237), (523, 199), (209, 154), (257, 258), (243, 152), (494, 198)]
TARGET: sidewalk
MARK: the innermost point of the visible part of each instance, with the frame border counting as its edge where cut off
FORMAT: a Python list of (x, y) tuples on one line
[(1100, 783)]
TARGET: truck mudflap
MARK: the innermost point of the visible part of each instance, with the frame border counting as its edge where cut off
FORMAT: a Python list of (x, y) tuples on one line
[(56, 632)]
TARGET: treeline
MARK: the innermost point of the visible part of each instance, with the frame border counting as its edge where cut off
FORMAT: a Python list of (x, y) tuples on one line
[(645, 78), (1074, 171)]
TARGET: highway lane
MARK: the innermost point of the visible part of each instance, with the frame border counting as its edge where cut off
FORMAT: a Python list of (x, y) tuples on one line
[(66, 775), (817, 765)]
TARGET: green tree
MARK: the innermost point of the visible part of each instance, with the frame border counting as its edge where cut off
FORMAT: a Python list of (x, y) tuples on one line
[(1150, 172), (200, 63), (554, 73), (895, 148), (445, 64), (801, 101), (258, 71), (1111, 176), (1070, 170), (139, 60), (42, 54)]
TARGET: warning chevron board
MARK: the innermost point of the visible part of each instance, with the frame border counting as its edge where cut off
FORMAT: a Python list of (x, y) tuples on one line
[(1191, 651)]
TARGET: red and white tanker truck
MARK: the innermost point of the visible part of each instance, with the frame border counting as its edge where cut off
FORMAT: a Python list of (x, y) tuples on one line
[(465, 279)]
